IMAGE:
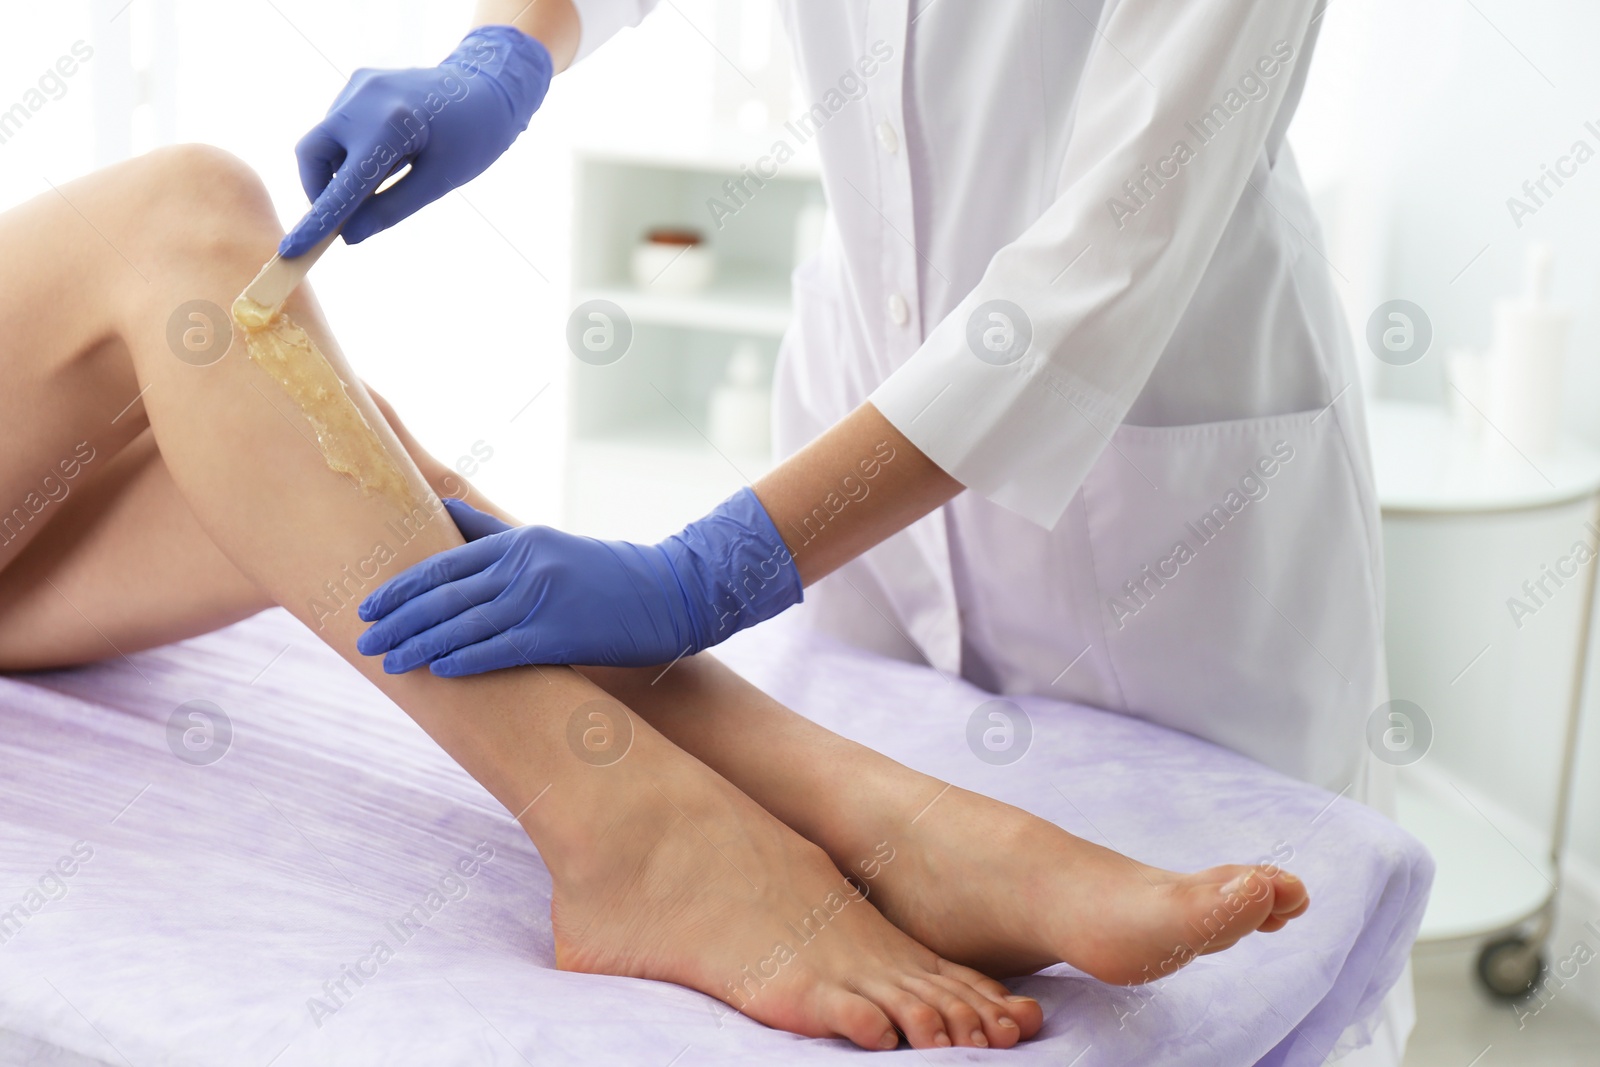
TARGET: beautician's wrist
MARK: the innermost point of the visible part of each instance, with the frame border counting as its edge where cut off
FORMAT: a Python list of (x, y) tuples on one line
[(553, 23), (734, 570), (519, 65)]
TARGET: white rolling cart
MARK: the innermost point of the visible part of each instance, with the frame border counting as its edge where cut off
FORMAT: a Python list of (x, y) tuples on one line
[(1489, 614)]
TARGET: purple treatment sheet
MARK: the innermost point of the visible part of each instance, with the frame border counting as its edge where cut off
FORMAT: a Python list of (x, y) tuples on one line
[(159, 905)]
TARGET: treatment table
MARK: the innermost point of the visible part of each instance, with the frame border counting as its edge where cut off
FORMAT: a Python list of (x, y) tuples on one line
[(220, 897)]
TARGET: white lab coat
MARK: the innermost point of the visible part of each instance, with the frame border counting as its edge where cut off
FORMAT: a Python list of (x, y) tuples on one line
[(1171, 510), (1189, 380)]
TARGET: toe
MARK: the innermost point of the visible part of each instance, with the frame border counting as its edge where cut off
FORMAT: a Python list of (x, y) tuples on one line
[(1278, 920), (1024, 1011), (962, 1023), (999, 1028), (858, 1019), (1290, 897), (1225, 904), (920, 1021)]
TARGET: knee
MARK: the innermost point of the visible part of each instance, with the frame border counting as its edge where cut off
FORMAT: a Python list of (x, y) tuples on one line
[(202, 178), (204, 201)]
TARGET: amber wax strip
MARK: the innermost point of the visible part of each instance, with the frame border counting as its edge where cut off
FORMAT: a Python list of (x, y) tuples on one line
[(344, 436)]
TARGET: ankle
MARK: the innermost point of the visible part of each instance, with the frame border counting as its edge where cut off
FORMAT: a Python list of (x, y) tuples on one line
[(593, 817), (869, 811)]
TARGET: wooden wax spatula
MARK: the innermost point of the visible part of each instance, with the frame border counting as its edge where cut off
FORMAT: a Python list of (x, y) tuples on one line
[(280, 276)]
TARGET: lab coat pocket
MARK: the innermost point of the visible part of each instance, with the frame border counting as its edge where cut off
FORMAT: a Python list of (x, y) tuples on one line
[(1236, 585)]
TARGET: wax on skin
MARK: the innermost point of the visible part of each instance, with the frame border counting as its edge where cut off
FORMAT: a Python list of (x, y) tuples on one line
[(344, 436)]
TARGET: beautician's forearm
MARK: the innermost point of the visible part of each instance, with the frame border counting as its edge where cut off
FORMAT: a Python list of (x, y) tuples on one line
[(553, 23), (847, 464)]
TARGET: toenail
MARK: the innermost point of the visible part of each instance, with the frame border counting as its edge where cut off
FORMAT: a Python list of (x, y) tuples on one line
[(1008, 1024), (1022, 1000), (979, 1040), (890, 1040), (941, 1039), (1235, 886), (1287, 877)]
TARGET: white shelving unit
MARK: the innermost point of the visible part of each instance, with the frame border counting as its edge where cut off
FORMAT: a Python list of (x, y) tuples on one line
[(638, 445), (754, 305)]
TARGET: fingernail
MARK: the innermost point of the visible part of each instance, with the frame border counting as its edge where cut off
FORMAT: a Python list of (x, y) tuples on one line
[(1235, 886), (941, 1039), (979, 1040), (890, 1040), (1008, 1023)]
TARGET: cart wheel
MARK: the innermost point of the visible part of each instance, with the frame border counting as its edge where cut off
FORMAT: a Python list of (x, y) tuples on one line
[(1510, 968)]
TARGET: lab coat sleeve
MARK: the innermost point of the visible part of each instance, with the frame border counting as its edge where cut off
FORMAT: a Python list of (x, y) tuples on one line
[(1171, 121), (601, 20)]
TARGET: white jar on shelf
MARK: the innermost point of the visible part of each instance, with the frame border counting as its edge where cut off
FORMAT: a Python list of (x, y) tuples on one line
[(673, 261)]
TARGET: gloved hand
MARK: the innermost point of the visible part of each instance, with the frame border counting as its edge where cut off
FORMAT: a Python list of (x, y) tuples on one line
[(532, 594), (449, 122)]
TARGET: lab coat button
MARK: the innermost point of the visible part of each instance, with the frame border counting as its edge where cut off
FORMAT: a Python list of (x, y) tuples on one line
[(888, 138), (899, 310)]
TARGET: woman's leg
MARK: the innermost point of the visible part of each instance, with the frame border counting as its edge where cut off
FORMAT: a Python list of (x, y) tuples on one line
[(1064, 898), (126, 566), (661, 869), (118, 564)]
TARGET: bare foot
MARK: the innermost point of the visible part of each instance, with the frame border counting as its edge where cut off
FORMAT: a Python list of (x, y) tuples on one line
[(976, 881), (1007, 893), (696, 884)]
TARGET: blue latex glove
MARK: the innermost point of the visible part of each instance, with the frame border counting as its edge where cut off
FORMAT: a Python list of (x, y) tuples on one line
[(531, 594), (448, 122)]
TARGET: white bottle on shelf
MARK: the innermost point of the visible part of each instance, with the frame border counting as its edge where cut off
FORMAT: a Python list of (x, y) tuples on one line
[(1524, 361), (740, 413)]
